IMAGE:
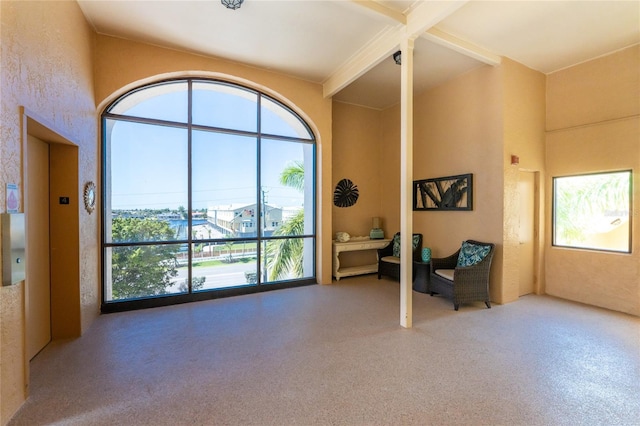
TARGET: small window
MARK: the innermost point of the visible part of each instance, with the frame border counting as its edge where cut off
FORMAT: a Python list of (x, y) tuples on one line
[(592, 211)]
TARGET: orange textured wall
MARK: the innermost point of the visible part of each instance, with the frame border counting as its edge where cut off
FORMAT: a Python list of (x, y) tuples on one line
[(46, 68), (599, 90), (524, 136), (593, 119), (389, 169), (458, 129), (471, 124), (356, 156)]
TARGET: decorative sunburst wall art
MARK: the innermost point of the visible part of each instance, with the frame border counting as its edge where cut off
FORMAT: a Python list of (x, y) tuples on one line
[(346, 193)]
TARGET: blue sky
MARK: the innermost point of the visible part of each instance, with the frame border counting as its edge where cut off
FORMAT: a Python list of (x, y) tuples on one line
[(149, 163)]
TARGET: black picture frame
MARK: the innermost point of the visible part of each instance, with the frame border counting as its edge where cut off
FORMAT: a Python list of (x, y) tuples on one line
[(444, 193)]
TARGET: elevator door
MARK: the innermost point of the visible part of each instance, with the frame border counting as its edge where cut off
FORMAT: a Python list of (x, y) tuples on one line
[(38, 282)]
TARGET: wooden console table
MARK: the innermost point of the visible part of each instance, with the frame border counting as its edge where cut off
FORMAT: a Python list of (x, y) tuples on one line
[(355, 245)]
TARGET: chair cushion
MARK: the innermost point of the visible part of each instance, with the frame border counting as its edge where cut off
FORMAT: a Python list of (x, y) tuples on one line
[(391, 259), (470, 254), (446, 273)]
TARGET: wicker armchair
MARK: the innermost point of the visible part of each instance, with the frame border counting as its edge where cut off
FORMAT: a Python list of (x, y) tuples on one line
[(462, 284), (388, 264)]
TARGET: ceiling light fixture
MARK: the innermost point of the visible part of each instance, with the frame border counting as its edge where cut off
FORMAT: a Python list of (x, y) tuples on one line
[(398, 57), (232, 4)]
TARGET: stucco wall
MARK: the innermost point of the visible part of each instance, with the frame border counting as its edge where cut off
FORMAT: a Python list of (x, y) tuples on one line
[(458, 129), (356, 156), (45, 68), (524, 136), (472, 124), (389, 169), (122, 65), (593, 123)]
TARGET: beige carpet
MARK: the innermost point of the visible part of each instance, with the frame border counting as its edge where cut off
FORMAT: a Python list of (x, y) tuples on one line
[(336, 355)]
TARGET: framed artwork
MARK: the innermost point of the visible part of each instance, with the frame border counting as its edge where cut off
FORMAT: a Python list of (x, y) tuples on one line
[(445, 193)]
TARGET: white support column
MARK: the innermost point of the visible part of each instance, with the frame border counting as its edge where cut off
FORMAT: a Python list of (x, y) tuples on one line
[(406, 178)]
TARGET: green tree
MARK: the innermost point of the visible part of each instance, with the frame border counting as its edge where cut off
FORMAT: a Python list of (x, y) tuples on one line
[(293, 176), (285, 257), (579, 200), (198, 248), (196, 284), (182, 212), (143, 270), (229, 247)]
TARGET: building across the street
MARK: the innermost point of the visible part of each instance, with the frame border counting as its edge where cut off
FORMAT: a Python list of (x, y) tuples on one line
[(241, 220)]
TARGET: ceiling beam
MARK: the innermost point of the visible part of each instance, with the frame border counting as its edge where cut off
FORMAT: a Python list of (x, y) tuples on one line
[(461, 46), (424, 16), (383, 10), (368, 57), (427, 14)]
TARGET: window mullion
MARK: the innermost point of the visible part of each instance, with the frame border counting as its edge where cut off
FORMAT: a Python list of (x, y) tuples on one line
[(262, 269), (189, 186)]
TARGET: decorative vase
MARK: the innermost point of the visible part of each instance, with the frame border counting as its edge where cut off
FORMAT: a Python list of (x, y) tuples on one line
[(426, 255)]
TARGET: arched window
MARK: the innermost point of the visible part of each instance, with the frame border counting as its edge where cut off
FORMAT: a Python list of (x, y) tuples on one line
[(208, 190)]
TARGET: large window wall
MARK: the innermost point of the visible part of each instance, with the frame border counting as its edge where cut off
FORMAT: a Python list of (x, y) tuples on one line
[(208, 191)]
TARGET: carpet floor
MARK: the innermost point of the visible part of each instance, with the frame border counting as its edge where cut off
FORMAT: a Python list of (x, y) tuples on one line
[(336, 355)]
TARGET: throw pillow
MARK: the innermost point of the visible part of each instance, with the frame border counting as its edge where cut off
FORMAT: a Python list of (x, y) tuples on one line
[(396, 245), (416, 240), (470, 254)]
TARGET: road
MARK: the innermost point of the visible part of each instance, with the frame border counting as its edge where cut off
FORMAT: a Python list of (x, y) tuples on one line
[(217, 276)]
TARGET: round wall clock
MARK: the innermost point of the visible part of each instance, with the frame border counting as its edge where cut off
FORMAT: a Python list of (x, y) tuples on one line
[(346, 193), (90, 196)]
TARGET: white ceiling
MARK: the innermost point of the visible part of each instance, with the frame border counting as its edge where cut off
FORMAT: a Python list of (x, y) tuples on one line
[(315, 40)]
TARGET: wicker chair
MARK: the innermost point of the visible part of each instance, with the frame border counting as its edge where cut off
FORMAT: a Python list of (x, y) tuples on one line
[(462, 284), (388, 264)]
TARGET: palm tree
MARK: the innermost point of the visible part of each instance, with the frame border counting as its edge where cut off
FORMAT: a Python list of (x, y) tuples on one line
[(285, 256), (229, 247), (293, 176)]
